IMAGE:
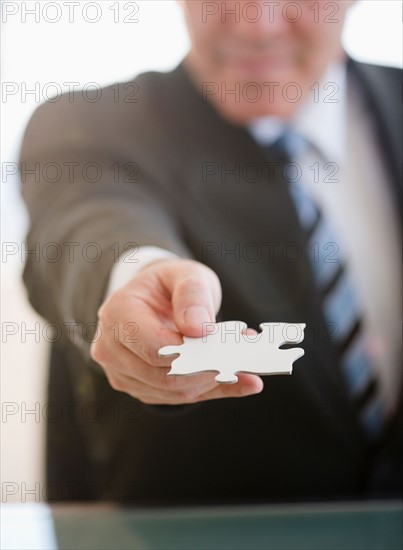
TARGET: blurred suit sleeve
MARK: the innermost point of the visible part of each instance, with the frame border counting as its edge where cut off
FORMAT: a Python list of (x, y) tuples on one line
[(87, 194)]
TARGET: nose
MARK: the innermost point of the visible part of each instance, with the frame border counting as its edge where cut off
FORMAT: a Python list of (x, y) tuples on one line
[(259, 20)]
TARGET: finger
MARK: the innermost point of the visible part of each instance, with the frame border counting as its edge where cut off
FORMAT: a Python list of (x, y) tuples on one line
[(196, 297), (249, 332), (149, 395), (248, 384), (139, 329), (153, 381), (124, 362)]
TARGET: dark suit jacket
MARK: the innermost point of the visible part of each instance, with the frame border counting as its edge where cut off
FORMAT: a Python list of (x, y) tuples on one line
[(150, 139)]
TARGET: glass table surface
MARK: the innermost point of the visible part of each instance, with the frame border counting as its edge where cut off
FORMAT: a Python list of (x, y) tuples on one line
[(341, 526)]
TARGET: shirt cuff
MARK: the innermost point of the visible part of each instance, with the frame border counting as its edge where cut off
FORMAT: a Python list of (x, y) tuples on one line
[(131, 262)]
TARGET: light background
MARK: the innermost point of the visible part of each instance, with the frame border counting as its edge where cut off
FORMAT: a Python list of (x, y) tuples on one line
[(37, 51)]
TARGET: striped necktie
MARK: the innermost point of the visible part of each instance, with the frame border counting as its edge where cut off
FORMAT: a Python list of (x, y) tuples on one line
[(338, 299)]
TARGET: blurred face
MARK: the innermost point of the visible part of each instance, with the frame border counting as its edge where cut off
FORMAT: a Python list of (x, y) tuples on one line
[(260, 58)]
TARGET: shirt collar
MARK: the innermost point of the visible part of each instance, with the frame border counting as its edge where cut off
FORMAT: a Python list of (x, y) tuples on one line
[(321, 120)]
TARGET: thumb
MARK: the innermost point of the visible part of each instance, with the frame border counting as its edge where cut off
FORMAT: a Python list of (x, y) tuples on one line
[(196, 297)]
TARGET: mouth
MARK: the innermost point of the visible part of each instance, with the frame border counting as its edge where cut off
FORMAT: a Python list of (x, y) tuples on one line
[(258, 68), (257, 65)]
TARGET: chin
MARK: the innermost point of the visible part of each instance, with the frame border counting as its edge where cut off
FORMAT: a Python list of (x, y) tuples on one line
[(265, 72), (243, 113)]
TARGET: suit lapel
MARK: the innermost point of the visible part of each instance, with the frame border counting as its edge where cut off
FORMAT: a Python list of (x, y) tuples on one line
[(381, 89)]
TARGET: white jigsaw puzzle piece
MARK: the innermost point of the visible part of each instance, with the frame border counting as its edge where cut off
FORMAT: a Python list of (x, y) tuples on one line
[(227, 349)]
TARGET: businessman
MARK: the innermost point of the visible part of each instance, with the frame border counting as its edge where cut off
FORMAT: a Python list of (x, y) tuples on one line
[(258, 181)]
